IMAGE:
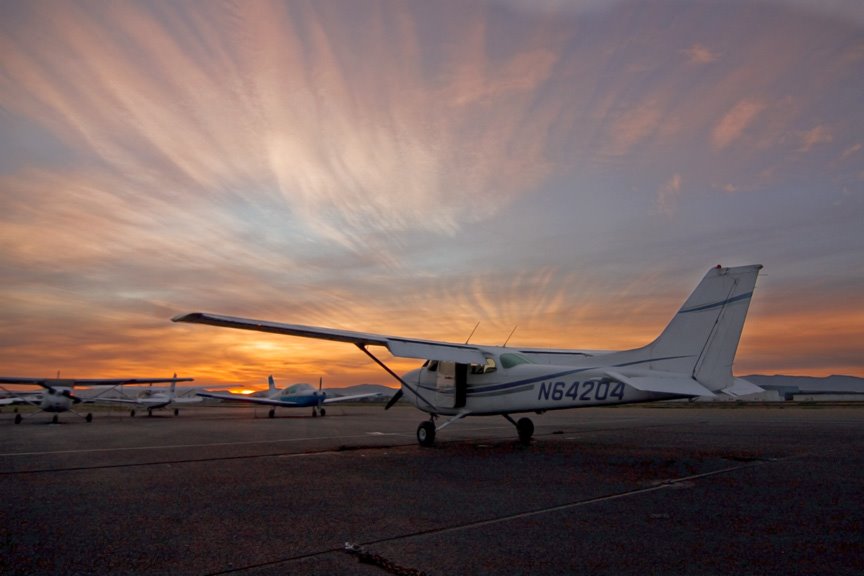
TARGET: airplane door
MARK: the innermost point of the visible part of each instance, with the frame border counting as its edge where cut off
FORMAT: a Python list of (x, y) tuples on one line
[(451, 385)]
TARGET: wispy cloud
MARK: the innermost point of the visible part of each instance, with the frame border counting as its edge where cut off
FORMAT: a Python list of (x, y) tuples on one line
[(699, 54), (814, 137), (734, 123), (850, 151), (667, 196), (407, 168)]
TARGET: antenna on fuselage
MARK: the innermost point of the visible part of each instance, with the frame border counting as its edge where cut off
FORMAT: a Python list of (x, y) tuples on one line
[(472, 332), (509, 336)]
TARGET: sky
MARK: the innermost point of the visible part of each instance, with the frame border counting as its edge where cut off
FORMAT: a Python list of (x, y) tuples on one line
[(412, 168)]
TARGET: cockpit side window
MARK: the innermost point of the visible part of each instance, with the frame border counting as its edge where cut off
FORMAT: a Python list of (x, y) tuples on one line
[(510, 359), (485, 368)]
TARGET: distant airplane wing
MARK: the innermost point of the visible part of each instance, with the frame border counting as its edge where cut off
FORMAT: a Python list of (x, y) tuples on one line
[(101, 399), (353, 397), (398, 346), (186, 400), (49, 382), (120, 381), (245, 398)]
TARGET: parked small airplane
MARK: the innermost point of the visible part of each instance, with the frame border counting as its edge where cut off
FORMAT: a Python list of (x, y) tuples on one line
[(59, 397), (154, 399), (691, 358), (294, 396)]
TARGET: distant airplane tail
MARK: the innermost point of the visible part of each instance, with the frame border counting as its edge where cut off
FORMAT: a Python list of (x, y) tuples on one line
[(702, 338), (271, 385), (171, 393)]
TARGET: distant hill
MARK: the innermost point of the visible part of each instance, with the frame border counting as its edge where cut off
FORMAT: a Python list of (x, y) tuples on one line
[(809, 384)]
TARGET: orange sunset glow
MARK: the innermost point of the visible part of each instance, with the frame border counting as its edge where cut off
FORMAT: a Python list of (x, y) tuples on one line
[(412, 168)]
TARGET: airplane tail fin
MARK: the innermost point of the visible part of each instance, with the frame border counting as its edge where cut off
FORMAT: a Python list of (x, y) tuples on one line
[(171, 392), (702, 338), (271, 385)]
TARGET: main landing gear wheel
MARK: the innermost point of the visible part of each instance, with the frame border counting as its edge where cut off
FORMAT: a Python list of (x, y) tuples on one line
[(132, 413), (176, 411), (18, 418), (54, 419), (271, 413), (426, 433), (149, 412), (322, 412), (525, 429), (88, 418)]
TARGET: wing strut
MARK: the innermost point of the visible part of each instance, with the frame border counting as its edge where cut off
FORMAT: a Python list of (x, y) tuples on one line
[(394, 375)]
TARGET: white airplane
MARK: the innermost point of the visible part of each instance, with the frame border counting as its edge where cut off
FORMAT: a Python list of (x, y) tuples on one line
[(294, 396), (154, 399), (58, 396), (691, 358)]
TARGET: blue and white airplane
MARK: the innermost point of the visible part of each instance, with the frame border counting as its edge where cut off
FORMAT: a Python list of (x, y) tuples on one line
[(294, 396), (691, 358)]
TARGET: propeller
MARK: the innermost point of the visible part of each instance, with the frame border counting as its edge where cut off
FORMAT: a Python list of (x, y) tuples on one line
[(394, 399), (67, 394)]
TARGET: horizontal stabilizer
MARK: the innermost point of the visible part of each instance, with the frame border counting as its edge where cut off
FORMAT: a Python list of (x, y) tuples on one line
[(742, 387), (676, 384)]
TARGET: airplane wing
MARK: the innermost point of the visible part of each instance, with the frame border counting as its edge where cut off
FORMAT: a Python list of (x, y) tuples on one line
[(398, 346), (353, 397), (245, 398)]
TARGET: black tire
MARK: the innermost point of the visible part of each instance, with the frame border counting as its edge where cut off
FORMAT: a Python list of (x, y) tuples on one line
[(322, 412), (426, 433), (88, 418), (18, 418), (176, 411), (149, 412), (55, 419), (314, 413), (132, 413), (271, 413), (525, 429)]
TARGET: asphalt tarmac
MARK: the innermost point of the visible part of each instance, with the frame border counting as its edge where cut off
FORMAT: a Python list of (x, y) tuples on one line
[(629, 490)]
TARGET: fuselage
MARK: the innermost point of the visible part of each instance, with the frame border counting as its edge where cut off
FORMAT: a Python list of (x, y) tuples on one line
[(512, 383), (56, 399), (301, 395)]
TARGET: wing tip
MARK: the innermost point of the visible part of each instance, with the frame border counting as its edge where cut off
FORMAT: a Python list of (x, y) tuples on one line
[(188, 317)]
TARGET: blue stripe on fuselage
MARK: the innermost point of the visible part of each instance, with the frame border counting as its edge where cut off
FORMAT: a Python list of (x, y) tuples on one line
[(480, 390)]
